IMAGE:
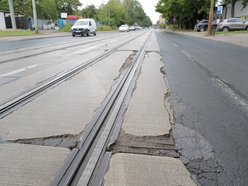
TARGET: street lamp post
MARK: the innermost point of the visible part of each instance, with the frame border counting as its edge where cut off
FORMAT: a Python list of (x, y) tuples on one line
[(211, 14), (35, 16), (12, 14)]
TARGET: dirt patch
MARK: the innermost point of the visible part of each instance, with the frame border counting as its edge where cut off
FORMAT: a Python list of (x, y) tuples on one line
[(128, 63), (150, 145), (66, 141)]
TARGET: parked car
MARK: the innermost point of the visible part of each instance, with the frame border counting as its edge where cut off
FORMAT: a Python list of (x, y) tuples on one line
[(49, 26), (84, 26), (132, 28), (124, 28), (232, 24), (201, 26)]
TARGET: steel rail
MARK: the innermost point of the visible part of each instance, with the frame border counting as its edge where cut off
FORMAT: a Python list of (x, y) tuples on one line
[(11, 105), (81, 162), (53, 50)]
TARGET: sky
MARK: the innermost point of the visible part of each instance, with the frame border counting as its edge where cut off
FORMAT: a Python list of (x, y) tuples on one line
[(148, 6)]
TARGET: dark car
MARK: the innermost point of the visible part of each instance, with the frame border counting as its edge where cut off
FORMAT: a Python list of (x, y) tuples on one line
[(201, 26)]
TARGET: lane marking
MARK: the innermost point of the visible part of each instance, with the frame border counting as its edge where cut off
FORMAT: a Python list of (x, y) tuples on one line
[(19, 70), (175, 45), (87, 49), (235, 97), (186, 54)]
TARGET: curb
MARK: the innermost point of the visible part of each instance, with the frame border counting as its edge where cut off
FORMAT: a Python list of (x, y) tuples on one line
[(238, 40), (40, 36)]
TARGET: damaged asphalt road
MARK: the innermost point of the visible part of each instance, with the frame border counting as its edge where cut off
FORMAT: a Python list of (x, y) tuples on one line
[(214, 148)]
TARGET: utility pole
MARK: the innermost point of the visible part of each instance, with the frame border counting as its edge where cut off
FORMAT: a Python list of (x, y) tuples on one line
[(35, 17), (211, 14), (12, 14)]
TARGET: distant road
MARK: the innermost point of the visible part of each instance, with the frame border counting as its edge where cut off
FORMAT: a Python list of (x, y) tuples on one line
[(208, 83), (13, 45), (40, 41)]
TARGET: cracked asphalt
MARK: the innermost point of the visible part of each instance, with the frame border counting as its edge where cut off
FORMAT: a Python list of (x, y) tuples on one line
[(208, 86)]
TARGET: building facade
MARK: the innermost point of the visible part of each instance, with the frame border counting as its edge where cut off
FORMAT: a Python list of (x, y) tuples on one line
[(239, 11)]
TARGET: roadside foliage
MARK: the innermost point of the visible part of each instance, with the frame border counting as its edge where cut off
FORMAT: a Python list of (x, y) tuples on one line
[(113, 13), (185, 13)]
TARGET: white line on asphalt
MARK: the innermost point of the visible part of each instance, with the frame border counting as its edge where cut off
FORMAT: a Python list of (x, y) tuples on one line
[(19, 70), (175, 45), (113, 41), (237, 99), (87, 49), (187, 54)]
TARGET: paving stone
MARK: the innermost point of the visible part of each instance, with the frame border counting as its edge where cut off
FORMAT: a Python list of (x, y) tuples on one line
[(134, 170), (29, 165)]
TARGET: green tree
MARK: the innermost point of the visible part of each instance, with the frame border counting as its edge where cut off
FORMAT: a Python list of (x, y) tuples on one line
[(146, 22), (23, 7), (136, 13), (4, 6), (47, 9), (90, 12), (113, 13), (68, 6), (186, 12)]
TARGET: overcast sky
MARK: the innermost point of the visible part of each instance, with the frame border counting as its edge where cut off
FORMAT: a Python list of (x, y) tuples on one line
[(148, 6)]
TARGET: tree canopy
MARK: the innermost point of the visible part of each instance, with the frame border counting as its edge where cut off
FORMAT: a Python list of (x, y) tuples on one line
[(113, 13), (117, 12), (46, 9), (186, 12)]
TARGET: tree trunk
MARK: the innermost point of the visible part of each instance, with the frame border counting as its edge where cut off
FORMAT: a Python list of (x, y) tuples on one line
[(233, 7)]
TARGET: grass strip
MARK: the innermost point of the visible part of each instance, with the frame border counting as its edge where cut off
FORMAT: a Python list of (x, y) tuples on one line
[(16, 33)]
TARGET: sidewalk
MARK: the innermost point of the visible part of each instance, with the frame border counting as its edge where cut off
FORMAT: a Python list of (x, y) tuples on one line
[(236, 39)]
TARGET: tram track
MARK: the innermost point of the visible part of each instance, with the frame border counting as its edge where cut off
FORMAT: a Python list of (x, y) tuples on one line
[(45, 49), (90, 158), (17, 101)]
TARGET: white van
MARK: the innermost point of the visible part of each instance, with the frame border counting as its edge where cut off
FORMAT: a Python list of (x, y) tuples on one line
[(84, 26)]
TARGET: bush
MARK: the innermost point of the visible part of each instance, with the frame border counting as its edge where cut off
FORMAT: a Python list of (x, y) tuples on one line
[(66, 28), (104, 28)]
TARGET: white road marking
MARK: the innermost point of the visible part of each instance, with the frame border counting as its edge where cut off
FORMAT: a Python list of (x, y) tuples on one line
[(87, 49), (19, 70), (236, 98), (188, 55), (175, 45)]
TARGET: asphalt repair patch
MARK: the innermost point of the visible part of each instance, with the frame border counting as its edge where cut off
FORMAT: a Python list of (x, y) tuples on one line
[(197, 155)]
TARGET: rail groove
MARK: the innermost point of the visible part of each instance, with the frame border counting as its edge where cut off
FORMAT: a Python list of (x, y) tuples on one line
[(11, 105), (80, 165), (49, 51)]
